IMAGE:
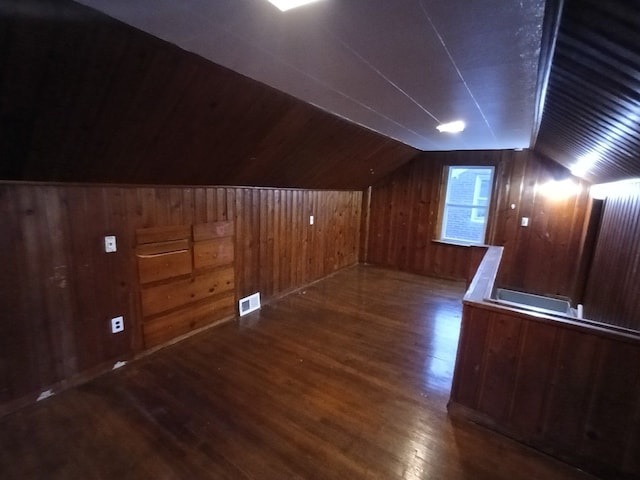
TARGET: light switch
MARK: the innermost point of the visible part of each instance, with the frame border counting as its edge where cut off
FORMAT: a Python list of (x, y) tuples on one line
[(524, 222), (110, 243), (310, 219)]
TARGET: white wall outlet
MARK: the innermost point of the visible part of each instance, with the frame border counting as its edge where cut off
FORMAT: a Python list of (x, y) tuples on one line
[(310, 219), (117, 324), (110, 243), (524, 222)]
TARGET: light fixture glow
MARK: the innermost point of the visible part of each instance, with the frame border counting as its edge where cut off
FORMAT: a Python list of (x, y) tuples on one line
[(584, 164), (601, 191), (285, 5), (559, 189), (451, 127)]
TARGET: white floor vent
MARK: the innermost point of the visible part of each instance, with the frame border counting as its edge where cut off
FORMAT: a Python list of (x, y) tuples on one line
[(249, 304)]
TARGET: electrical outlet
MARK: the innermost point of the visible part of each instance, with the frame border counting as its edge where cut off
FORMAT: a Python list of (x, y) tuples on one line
[(117, 324)]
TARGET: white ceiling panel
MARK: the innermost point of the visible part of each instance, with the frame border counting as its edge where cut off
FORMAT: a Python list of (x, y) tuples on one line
[(398, 68)]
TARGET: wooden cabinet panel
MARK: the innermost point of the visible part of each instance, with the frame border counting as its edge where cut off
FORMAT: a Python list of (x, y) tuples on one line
[(213, 253), (161, 266), (207, 231), (162, 298), (162, 234), (165, 328)]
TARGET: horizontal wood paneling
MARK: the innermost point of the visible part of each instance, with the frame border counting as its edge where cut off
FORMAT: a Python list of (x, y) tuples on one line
[(541, 258), (572, 391), (86, 98), (59, 288), (612, 289)]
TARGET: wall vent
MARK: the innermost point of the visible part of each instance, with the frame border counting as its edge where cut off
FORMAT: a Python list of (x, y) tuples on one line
[(249, 304)]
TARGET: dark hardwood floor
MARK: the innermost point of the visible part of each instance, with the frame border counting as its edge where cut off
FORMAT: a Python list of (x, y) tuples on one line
[(346, 379)]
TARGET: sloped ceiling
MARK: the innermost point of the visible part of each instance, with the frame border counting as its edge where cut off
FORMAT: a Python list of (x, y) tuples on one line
[(398, 67), (591, 115), (86, 98)]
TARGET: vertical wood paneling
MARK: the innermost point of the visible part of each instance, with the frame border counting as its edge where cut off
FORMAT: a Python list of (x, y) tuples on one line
[(572, 388), (60, 289), (536, 356), (572, 391), (612, 287), (609, 412), (501, 365), (542, 258), (469, 360)]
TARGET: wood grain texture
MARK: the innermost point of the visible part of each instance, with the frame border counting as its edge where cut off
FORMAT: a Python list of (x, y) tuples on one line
[(548, 381), (542, 258), (612, 288), (595, 57), (347, 379), (86, 98), (551, 385), (59, 288), (181, 290)]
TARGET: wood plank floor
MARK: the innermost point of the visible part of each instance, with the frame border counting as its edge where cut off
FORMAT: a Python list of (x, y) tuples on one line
[(346, 379)]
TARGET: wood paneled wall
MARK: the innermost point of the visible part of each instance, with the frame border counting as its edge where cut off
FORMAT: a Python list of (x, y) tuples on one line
[(570, 390), (58, 289), (85, 98), (541, 258), (612, 293)]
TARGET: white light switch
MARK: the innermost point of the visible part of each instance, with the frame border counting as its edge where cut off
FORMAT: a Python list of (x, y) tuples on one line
[(110, 243), (524, 222), (310, 219)]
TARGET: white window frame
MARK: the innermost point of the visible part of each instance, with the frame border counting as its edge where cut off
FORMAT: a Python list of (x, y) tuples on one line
[(474, 207)]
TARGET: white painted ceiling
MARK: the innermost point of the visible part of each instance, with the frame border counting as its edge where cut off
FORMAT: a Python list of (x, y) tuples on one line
[(398, 67)]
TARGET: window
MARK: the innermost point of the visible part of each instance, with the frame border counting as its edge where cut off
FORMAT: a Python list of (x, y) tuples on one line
[(467, 199)]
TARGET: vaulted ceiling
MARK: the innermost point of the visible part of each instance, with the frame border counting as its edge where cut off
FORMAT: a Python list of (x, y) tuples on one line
[(333, 95), (398, 67)]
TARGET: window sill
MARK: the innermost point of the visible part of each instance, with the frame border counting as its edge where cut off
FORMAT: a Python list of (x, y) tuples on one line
[(460, 244)]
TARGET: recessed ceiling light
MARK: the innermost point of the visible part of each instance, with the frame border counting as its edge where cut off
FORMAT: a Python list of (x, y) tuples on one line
[(285, 5), (451, 127)]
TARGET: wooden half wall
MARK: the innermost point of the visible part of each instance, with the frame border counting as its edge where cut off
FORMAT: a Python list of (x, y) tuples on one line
[(541, 258), (59, 289), (569, 388)]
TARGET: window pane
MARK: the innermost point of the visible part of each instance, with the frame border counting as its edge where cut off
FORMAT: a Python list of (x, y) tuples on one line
[(459, 224), (466, 203), (461, 186)]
